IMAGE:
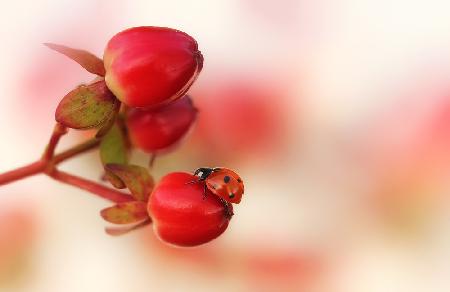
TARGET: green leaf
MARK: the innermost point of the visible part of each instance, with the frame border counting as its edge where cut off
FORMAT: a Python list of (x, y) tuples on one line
[(126, 213), (88, 61), (136, 178), (113, 148), (87, 106)]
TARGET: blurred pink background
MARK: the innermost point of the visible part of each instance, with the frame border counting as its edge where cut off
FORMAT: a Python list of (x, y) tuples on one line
[(335, 113)]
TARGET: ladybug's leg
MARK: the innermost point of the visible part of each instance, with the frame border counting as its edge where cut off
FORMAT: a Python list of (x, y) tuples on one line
[(193, 182), (204, 186), (204, 191), (228, 212)]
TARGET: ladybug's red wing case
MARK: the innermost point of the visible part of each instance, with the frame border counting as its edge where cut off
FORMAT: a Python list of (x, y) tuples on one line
[(226, 184)]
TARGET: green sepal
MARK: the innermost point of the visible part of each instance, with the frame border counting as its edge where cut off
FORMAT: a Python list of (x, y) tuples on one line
[(136, 178), (87, 107), (126, 213)]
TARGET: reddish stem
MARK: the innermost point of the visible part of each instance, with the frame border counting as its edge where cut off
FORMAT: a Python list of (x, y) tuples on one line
[(90, 186), (152, 160), (49, 161), (78, 149), (22, 172), (58, 132), (40, 166)]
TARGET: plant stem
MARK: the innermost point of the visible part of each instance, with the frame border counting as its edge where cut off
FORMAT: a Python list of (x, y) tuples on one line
[(90, 186), (22, 172), (151, 160), (78, 149), (41, 165), (47, 166), (58, 132), (49, 161)]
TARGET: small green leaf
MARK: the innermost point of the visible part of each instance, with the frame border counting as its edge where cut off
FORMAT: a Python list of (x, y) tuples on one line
[(136, 178), (87, 106), (113, 148), (87, 60), (125, 213)]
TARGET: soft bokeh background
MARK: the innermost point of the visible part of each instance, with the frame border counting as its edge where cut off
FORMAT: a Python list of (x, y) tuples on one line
[(335, 113)]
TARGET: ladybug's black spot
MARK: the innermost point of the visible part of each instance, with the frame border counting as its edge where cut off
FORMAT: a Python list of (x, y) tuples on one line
[(239, 180), (226, 179), (231, 196)]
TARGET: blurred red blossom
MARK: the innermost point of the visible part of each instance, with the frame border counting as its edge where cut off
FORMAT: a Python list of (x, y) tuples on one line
[(241, 118), (17, 237), (262, 268), (405, 151)]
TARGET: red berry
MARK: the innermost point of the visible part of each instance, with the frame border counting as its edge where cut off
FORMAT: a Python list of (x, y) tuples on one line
[(155, 129), (148, 66), (182, 215)]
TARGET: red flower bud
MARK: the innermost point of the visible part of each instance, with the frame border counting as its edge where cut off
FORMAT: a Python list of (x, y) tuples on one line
[(182, 215), (156, 129), (149, 66)]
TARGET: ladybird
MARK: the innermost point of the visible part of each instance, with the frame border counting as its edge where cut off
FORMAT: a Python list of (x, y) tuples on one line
[(223, 182)]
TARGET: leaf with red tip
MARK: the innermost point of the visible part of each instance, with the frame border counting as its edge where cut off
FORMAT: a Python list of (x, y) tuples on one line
[(121, 230), (125, 213), (87, 106), (136, 178), (88, 61), (114, 180)]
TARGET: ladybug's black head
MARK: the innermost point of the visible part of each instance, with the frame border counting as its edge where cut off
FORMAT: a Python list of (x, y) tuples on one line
[(204, 172)]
